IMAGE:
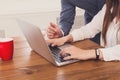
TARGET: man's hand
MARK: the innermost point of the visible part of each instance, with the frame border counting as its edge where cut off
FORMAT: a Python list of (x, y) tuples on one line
[(54, 31)]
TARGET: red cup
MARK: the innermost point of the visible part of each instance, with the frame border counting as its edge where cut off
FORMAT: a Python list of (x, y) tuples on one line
[(6, 48)]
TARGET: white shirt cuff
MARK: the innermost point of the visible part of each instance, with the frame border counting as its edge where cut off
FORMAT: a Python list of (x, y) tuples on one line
[(111, 53)]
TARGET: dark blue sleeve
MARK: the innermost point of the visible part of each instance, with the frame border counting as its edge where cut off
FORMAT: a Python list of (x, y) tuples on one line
[(68, 12), (66, 16)]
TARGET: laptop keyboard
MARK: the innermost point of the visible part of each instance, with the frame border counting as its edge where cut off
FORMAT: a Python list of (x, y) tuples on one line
[(56, 53)]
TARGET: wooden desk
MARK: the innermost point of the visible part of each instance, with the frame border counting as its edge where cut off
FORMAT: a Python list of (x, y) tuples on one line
[(27, 65)]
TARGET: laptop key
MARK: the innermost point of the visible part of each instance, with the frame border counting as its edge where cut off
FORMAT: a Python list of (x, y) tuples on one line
[(56, 53)]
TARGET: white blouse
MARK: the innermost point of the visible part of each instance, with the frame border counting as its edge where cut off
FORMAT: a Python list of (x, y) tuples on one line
[(112, 49)]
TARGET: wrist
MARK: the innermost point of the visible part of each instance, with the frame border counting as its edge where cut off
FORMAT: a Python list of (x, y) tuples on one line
[(98, 54), (61, 33), (69, 38), (92, 54)]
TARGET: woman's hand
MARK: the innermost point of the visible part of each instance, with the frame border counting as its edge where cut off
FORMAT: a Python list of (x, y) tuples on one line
[(56, 42), (77, 53), (59, 41)]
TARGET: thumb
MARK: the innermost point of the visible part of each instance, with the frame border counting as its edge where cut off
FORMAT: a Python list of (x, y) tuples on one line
[(50, 41)]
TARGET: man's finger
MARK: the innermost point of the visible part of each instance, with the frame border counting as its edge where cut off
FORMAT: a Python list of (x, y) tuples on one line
[(51, 28), (50, 36), (50, 31), (53, 25)]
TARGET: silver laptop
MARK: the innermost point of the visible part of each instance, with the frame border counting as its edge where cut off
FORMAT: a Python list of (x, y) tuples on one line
[(37, 42)]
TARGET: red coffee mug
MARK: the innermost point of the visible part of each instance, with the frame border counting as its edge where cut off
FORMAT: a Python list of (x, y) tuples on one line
[(6, 48)]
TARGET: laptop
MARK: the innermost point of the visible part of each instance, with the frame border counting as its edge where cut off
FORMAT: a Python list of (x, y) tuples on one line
[(37, 42)]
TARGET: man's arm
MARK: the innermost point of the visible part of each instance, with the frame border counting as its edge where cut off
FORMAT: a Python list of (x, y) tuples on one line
[(67, 16), (91, 7)]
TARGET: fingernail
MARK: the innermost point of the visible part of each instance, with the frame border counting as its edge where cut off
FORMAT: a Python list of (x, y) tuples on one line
[(53, 45)]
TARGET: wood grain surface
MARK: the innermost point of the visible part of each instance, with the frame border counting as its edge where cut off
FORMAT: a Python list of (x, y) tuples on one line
[(28, 65)]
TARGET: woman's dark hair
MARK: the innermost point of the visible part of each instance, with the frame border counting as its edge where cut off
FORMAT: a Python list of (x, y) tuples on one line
[(112, 11)]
